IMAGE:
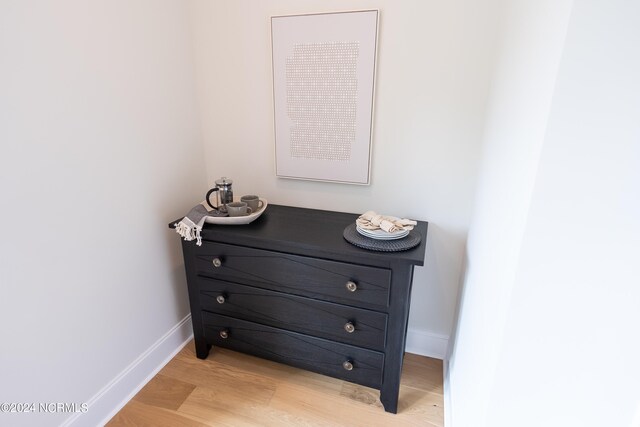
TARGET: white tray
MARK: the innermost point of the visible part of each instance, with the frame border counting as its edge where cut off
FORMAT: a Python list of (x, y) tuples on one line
[(237, 220)]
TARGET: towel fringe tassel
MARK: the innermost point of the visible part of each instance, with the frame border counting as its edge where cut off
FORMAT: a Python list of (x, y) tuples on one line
[(189, 233)]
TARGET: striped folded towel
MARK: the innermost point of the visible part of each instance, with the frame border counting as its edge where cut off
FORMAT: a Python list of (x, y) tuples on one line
[(191, 225)]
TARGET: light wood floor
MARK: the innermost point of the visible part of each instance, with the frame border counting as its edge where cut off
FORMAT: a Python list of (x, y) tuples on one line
[(233, 389)]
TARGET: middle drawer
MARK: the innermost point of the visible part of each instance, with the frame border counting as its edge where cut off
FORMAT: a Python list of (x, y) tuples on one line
[(337, 322)]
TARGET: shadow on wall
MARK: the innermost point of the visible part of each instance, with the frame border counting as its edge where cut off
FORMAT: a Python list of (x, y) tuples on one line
[(462, 284), (438, 282), (325, 196)]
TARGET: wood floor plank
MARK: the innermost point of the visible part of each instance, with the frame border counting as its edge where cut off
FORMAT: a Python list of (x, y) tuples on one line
[(335, 410), (275, 371), (165, 392), (423, 373), (411, 400), (207, 373), (419, 405), (139, 414), (206, 403), (237, 390)]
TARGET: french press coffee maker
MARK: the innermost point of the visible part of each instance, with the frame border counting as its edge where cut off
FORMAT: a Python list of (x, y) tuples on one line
[(224, 194)]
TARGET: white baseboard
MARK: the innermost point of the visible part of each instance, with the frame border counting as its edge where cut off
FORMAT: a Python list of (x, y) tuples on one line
[(108, 401), (427, 343), (448, 413)]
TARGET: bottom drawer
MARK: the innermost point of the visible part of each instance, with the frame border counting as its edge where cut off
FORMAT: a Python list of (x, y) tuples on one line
[(338, 360)]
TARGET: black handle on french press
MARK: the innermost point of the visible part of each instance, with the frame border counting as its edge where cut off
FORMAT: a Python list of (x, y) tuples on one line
[(209, 194)]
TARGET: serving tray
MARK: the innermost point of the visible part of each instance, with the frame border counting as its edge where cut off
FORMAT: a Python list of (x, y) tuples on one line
[(410, 241), (237, 220)]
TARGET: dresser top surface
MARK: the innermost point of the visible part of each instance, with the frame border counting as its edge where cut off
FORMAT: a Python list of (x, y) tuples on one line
[(310, 232)]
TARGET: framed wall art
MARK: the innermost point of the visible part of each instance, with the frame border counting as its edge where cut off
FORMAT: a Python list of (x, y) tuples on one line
[(323, 89)]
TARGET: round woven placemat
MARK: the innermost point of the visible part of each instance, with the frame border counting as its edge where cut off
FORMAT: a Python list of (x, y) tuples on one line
[(352, 236)]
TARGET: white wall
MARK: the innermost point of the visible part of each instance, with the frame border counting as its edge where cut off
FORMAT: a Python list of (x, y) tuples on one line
[(521, 92), (100, 149), (554, 342), (434, 60)]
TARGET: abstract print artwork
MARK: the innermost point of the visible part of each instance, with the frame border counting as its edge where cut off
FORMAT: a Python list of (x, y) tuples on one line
[(323, 86)]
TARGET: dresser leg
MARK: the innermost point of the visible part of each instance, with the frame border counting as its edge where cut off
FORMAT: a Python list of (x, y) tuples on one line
[(202, 349), (396, 336), (389, 399)]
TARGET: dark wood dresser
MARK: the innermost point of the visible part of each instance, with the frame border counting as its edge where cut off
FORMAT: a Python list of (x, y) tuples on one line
[(289, 288)]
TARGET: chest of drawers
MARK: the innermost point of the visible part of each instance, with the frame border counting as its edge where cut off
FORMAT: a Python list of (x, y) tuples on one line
[(289, 288)]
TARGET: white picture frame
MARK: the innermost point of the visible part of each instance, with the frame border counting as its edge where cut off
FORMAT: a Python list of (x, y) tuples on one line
[(324, 69)]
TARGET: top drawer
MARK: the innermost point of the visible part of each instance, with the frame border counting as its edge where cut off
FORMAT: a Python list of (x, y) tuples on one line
[(328, 280)]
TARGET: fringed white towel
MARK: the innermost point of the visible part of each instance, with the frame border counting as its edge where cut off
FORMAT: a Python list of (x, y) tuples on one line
[(372, 221), (191, 225)]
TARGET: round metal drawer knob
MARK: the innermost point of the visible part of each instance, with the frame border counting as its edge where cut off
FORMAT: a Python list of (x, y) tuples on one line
[(224, 334), (351, 286), (349, 327), (217, 262), (221, 299), (347, 365)]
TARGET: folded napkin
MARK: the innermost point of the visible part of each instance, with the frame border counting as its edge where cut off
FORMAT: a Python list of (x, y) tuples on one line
[(191, 225), (372, 221)]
